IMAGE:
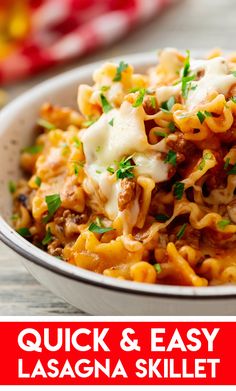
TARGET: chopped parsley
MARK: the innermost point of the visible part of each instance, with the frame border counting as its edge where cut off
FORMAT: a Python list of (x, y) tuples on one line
[(48, 237), (140, 97), (153, 102), (181, 232), (77, 142), (171, 157), (168, 104), (186, 85), (37, 181), (162, 218), (111, 122), (88, 123), (15, 217), (171, 126), (33, 150), (121, 67), (186, 64), (11, 187), (106, 107), (207, 113), (93, 227), (234, 73), (178, 190), (161, 134), (45, 124), (25, 232), (227, 162), (105, 88), (206, 157), (157, 267), (186, 78), (223, 223), (233, 98), (53, 202), (202, 115), (98, 171), (76, 168), (111, 170), (125, 169), (232, 171)]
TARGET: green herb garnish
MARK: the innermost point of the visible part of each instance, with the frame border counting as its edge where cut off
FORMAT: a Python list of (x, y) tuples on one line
[(33, 150), (111, 170), (98, 229), (232, 171), (121, 67), (15, 217), (53, 202), (77, 142), (186, 64), (171, 157), (223, 223), (11, 187), (37, 181), (111, 122), (76, 169), (45, 124), (227, 162), (140, 97), (171, 126), (201, 116), (233, 98), (206, 157), (207, 113), (178, 190), (186, 85), (161, 134), (105, 88), (48, 237), (181, 232), (25, 232), (168, 104), (125, 169), (153, 102), (106, 107), (161, 218), (98, 148), (234, 73), (157, 267), (88, 123)]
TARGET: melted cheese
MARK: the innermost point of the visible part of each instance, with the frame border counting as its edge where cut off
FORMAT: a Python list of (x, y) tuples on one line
[(216, 78), (163, 93), (151, 165), (105, 145)]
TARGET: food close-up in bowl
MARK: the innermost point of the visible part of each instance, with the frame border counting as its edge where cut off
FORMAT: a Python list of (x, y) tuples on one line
[(139, 182)]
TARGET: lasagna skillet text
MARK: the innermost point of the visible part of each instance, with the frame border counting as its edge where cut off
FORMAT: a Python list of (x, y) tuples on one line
[(139, 184)]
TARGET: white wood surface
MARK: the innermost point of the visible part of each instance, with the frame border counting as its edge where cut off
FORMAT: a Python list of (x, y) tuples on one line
[(188, 24)]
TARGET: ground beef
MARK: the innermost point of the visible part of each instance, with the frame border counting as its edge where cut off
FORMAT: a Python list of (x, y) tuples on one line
[(184, 149), (127, 193)]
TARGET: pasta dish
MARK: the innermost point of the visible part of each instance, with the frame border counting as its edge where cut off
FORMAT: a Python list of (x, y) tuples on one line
[(139, 183)]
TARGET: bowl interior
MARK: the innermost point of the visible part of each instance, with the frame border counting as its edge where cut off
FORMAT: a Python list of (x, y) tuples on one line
[(17, 131)]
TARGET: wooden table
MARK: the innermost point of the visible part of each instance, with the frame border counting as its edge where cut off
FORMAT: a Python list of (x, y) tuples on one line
[(188, 24)]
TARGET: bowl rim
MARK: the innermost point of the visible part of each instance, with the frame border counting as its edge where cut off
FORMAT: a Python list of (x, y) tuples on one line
[(33, 254)]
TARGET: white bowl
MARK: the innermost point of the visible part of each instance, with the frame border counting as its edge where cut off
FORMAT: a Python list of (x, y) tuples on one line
[(91, 292)]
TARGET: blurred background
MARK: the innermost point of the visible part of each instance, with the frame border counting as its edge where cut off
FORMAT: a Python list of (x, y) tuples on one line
[(41, 38)]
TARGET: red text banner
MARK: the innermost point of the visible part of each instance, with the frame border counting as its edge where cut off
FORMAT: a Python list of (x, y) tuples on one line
[(117, 353)]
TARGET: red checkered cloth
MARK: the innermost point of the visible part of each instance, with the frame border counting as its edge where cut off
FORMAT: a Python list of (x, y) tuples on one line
[(65, 29)]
